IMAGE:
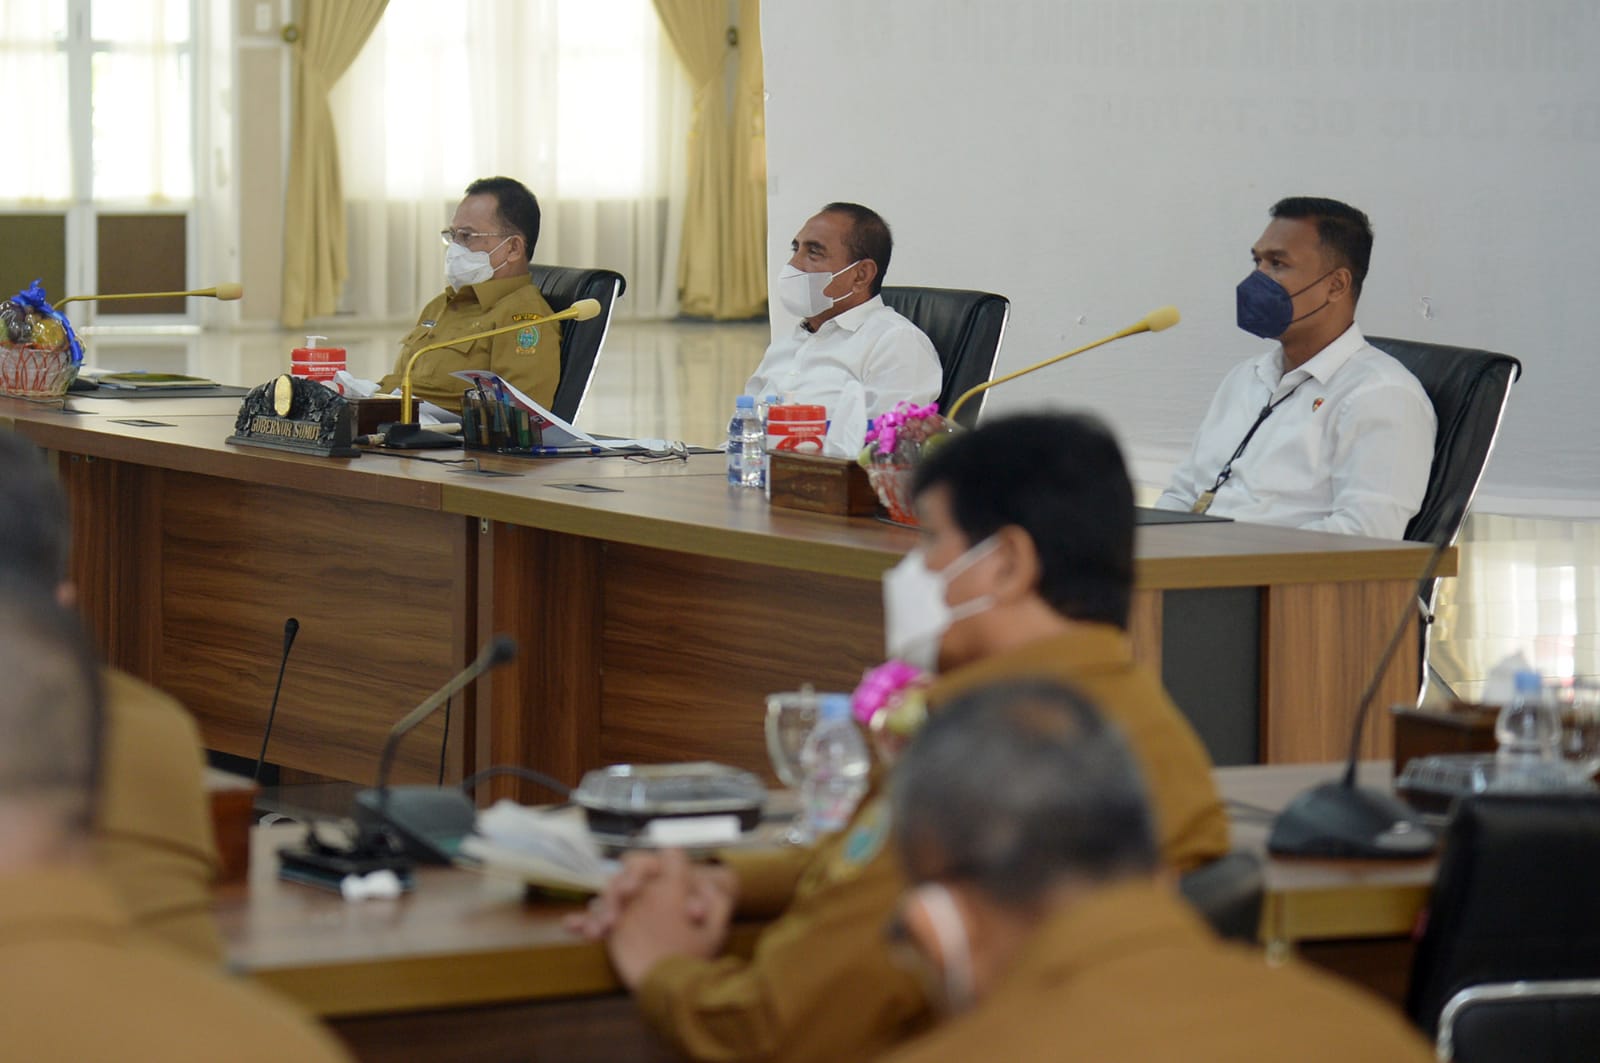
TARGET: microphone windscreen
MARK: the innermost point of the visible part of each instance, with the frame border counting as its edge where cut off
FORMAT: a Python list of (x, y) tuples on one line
[(501, 650), (291, 628), (230, 291), (1164, 318), (584, 309)]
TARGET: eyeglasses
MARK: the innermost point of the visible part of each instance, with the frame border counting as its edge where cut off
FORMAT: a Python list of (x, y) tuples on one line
[(463, 236)]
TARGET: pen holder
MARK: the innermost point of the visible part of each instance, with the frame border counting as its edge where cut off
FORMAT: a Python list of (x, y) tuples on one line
[(489, 422)]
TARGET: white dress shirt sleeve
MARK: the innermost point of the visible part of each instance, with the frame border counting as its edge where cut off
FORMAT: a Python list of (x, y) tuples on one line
[(901, 367), (1380, 464)]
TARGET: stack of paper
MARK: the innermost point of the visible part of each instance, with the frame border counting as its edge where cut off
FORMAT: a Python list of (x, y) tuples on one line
[(551, 848)]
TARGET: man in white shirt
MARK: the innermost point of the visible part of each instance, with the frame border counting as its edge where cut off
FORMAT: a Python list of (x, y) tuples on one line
[(850, 353), (1325, 431)]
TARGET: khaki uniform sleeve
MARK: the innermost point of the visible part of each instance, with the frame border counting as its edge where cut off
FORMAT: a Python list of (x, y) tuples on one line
[(767, 878), (820, 985), (153, 837), (534, 370)]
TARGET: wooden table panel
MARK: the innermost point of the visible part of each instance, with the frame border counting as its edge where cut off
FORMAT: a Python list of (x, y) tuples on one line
[(1333, 633), (693, 645), (381, 595)]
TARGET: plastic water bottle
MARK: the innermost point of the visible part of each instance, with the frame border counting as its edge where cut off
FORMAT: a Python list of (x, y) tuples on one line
[(742, 407), (763, 406), (752, 443), (835, 762), (1527, 736)]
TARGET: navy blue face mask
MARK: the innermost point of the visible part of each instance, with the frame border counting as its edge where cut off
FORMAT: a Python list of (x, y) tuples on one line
[(1266, 308)]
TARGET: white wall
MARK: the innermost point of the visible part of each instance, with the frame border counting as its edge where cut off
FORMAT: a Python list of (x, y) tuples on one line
[(1093, 159)]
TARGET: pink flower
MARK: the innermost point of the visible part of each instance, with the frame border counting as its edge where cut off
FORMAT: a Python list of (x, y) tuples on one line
[(880, 687)]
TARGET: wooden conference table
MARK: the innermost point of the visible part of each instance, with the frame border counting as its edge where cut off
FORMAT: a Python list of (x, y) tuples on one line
[(464, 963), (655, 607)]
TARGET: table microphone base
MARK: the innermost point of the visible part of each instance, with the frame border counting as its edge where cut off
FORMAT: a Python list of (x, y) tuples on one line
[(1335, 820), (416, 437), (428, 821)]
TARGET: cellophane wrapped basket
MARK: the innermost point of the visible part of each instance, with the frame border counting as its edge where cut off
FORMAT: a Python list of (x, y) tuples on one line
[(39, 353), (29, 372)]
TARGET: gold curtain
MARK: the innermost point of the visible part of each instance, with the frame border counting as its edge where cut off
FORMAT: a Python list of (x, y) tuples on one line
[(722, 265), (314, 259)]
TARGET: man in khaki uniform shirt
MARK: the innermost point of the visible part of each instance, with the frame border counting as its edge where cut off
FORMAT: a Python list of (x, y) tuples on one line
[(76, 982), (488, 248), (152, 834), (1032, 564), (1039, 917)]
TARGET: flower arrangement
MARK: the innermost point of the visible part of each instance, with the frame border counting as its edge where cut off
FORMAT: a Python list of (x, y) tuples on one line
[(896, 442), (890, 704)]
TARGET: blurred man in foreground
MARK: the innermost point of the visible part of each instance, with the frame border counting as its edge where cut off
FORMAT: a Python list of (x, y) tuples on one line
[(1045, 925), (151, 833), (1025, 569), (76, 982)]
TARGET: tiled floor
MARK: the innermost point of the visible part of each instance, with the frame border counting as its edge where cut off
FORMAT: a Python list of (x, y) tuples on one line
[(1532, 585)]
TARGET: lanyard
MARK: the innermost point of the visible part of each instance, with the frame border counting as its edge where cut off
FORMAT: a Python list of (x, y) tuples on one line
[(1203, 503)]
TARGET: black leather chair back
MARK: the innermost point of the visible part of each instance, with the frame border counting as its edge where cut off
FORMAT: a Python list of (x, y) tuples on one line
[(1514, 899), (965, 328), (1469, 389), (1228, 893), (580, 340)]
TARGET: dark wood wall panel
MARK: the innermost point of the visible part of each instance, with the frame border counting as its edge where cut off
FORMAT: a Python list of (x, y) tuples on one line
[(382, 596), (692, 640)]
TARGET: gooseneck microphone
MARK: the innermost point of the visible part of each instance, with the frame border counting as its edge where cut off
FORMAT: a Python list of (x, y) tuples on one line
[(428, 821), (291, 628), (500, 650), (1341, 819), (1155, 321)]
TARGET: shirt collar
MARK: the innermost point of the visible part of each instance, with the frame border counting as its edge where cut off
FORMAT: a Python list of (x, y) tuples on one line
[(851, 320), (1085, 649), (1112, 923), (491, 291), (1321, 365)]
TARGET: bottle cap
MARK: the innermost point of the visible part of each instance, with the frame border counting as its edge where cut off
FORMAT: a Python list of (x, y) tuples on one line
[(1528, 682), (745, 400), (833, 707)]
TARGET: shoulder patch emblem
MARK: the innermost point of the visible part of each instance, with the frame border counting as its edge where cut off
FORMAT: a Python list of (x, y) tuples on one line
[(865, 839), (528, 338)]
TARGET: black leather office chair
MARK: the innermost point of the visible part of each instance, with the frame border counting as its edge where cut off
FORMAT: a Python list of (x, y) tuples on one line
[(1514, 900), (1469, 390), (1228, 893), (580, 340), (965, 328), (1512, 1022)]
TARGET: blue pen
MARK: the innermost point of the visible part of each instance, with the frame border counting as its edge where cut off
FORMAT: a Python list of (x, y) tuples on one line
[(552, 452)]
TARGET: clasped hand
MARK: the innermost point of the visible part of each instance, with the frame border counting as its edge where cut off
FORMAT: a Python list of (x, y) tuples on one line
[(659, 905)]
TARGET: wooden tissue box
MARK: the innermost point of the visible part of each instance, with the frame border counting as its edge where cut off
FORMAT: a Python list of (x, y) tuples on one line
[(819, 484)]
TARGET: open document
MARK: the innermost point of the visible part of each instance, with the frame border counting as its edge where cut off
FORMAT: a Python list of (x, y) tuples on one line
[(547, 847), (555, 432)]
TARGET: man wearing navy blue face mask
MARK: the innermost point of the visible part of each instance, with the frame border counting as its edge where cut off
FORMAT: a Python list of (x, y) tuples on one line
[(1325, 431)]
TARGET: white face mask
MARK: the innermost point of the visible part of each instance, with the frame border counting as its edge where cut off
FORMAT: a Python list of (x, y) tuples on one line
[(801, 292), (915, 614), (955, 948), (463, 267)]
